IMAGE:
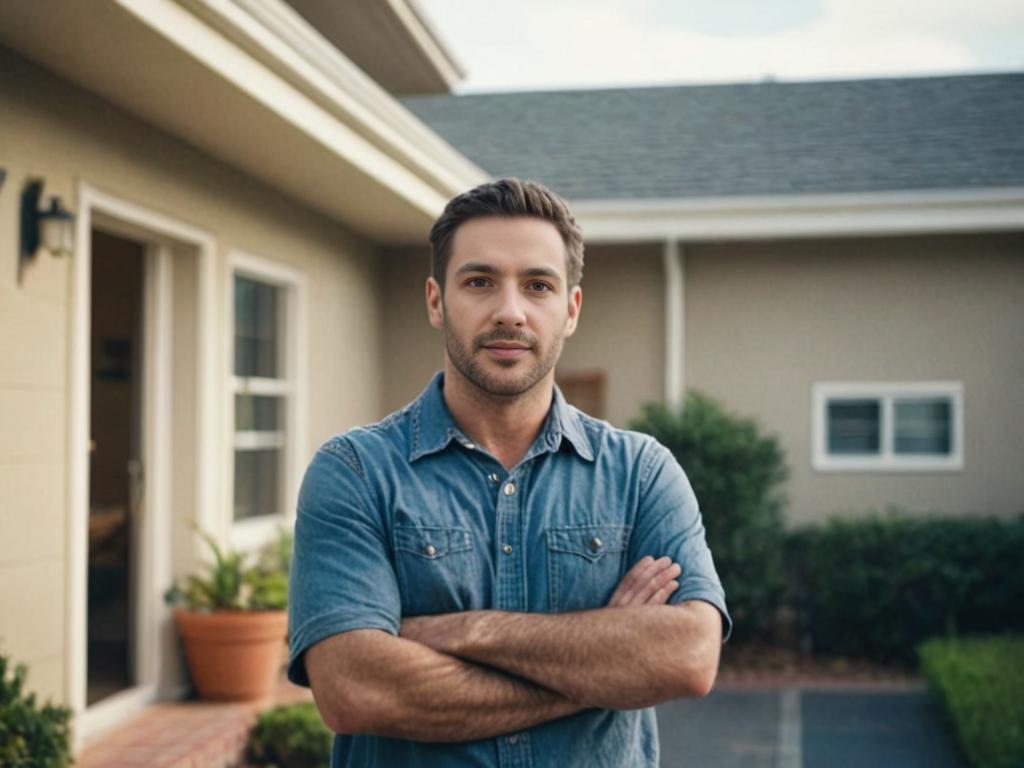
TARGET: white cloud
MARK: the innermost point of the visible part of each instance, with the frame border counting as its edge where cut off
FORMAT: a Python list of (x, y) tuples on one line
[(566, 43)]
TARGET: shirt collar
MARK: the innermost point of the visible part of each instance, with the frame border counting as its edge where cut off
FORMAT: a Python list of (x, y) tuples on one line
[(433, 427)]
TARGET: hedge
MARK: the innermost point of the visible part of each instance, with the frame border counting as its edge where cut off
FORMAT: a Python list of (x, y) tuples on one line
[(980, 681), (879, 586)]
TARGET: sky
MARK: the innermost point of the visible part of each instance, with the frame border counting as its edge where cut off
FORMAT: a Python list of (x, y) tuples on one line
[(547, 44)]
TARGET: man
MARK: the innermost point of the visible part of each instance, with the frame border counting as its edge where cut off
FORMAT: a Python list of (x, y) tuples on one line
[(488, 576)]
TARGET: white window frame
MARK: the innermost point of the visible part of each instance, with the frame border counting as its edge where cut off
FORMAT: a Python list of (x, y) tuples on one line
[(887, 393), (253, 533)]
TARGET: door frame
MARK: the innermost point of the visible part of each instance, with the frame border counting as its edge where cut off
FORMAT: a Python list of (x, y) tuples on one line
[(159, 234)]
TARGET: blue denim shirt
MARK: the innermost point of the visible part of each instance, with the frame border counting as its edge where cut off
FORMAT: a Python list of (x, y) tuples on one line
[(408, 517)]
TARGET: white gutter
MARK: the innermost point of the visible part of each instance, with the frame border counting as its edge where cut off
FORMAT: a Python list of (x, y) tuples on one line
[(791, 216)]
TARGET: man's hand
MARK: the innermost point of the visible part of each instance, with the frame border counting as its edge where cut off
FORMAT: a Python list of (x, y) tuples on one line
[(649, 582)]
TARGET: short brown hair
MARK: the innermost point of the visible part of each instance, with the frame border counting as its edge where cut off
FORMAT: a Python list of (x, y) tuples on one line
[(506, 197)]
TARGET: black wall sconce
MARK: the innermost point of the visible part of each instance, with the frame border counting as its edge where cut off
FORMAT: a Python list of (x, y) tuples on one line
[(53, 228)]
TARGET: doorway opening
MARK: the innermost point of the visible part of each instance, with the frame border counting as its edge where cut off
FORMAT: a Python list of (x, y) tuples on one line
[(116, 411)]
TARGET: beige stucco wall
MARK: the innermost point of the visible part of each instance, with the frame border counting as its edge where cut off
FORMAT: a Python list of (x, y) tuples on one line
[(51, 130), (621, 329), (765, 320)]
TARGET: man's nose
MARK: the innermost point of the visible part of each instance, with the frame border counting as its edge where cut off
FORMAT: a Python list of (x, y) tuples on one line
[(510, 308)]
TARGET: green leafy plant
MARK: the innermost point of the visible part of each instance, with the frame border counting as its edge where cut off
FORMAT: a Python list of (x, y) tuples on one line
[(878, 586), (736, 473), (31, 736), (231, 583), (980, 682), (291, 736)]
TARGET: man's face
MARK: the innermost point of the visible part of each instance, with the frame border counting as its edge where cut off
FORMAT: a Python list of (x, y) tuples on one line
[(506, 307)]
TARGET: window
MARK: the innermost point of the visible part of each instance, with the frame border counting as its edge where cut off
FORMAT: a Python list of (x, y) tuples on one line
[(888, 426), (584, 390), (265, 387)]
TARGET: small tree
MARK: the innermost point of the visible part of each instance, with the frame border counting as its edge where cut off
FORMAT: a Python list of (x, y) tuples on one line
[(736, 473)]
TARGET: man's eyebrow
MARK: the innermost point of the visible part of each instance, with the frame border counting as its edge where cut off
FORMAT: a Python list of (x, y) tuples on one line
[(542, 272), (476, 266)]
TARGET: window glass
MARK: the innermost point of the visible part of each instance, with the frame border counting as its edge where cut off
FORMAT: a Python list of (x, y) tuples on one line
[(258, 413), (854, 427), (256, 482), (923, 426), (256, 329)]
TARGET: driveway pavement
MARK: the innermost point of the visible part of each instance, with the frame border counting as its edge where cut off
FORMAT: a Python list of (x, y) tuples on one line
[(806, 728)]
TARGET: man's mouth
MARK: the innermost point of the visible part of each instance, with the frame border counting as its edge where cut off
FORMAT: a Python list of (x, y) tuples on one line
[(506, 349)]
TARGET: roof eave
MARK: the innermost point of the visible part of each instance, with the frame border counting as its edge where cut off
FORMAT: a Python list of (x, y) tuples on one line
[(200, 69), (897, 212)]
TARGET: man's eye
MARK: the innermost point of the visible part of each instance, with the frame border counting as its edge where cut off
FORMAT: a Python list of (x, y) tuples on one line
[(539, 287), (477, 282)]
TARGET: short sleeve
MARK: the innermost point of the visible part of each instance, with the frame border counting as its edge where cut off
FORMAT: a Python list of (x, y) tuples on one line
[(669, 524), (342, 575)]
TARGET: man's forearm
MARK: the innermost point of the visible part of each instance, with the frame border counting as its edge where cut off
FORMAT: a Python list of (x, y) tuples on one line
[(371, 682), (616, 658)]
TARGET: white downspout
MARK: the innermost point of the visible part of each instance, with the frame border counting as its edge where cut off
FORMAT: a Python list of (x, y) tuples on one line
[(675, 318)]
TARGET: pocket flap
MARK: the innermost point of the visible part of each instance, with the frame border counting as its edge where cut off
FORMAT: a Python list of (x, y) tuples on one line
[(432, 542), (590, 541)]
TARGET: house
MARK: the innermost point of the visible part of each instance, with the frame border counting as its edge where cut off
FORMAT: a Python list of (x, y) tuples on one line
[(233, 177), (252, 183), (842, 261)]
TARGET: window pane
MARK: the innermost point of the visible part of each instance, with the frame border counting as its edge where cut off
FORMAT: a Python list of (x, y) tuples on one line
[(258, 413), (256, 328), (924, 426), (256, 483), (854, 427)]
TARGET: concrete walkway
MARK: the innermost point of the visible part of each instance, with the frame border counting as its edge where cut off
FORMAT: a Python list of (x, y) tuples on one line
[(806, 728)]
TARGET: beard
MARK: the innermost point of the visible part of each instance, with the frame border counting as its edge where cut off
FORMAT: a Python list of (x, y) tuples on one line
[(464, 358)]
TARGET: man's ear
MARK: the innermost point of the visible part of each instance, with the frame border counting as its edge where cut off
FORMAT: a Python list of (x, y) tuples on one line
[(575, 306), (435, 304)]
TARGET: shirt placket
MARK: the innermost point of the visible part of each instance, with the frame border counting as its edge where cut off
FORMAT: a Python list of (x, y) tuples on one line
[(511, 582), (510, 593)]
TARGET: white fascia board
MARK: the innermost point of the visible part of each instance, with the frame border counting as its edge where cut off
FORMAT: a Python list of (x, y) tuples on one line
[(291, 46), (429, 41), (792, 216), (241, 67)]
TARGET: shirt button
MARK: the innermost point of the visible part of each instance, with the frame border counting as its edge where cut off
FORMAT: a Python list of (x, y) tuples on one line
[(510, 488), (506, 548), (470, 446), (595, 544), (513, 739), (430, 549), (493, 477)]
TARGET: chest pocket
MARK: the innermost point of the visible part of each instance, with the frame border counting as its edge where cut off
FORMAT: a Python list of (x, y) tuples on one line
[(585, 564), (437, 570)]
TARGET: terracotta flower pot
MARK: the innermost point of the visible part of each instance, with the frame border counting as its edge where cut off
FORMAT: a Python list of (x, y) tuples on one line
[(233, 655)]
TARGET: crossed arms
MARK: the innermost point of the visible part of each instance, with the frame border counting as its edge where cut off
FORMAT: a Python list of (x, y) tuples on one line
[(478, 674)]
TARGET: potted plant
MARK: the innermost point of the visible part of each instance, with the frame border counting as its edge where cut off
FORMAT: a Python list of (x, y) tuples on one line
[(232, 619)]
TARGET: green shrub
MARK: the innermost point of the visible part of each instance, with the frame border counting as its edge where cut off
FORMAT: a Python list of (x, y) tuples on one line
[(878, 586), (291, 736), (980, 681), (30, 736), (735, 472)]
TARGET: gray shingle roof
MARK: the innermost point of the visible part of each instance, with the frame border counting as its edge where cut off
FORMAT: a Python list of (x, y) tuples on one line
[(755, 139)]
